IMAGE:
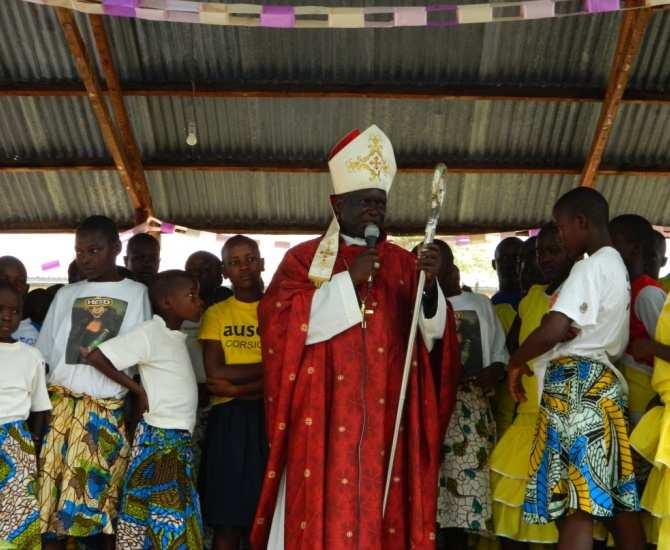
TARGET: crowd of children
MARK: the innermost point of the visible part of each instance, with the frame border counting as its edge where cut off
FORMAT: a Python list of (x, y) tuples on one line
[(131, 400)]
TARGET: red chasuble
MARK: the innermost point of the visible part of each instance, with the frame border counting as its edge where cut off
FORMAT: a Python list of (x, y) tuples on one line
[(331, 408)]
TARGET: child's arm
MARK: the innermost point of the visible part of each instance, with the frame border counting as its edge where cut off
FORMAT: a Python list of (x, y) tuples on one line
[(37, 422), (229, 381), (555, 328), (98, 360), (643, 348)]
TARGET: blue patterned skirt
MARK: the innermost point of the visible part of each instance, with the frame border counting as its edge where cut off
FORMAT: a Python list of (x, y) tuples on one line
[(19, 511), (581, 458), (159, 503)]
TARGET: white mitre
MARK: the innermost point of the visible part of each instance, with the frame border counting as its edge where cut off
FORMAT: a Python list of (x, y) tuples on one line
[(359, 161)]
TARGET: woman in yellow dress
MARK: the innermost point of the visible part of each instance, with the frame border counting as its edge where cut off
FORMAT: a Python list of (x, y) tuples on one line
[(651, 437), (510, 458)]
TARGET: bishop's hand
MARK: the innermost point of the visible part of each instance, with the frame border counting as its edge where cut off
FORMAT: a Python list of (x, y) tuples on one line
[(365, 265), (430, 261)]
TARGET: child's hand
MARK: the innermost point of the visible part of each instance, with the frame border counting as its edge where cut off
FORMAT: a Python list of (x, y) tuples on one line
[(572, 333), (220, 387), (487, 378), (142, 402), (514, 374), (642, 349)]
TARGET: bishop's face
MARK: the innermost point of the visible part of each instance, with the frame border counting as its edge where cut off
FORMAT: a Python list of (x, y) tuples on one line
[(357, 209)]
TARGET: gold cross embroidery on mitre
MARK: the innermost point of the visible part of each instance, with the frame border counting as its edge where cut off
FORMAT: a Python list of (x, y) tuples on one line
[(374, 162)]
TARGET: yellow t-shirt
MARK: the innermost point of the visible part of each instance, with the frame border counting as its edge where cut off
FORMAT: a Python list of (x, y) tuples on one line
[(235, 325), (506, 314), (665, 283), (533, 307)]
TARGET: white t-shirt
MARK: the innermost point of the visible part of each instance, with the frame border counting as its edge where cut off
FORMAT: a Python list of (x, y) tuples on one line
[(86, 314), (23, 386), (596, 297), (481, 336), (26, 333), (165, 369)]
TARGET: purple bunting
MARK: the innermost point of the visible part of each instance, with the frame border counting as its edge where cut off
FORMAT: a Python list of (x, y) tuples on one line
[(278, 17)]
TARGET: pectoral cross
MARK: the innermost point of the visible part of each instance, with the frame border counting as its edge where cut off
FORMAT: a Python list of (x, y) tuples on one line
[(365, 312)]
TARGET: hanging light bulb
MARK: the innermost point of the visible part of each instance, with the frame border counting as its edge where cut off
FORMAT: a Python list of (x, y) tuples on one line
[(192, 137)]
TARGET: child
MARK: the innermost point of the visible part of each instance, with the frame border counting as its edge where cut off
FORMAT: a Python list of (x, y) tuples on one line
[(13, 271), (529, 271), (464, 498), (23, 396), (207, 268), (581, 466), (656, 256), (236, 447), (631, 235), (512, 453), (159, 503), (143, 257), (506, 303), (650, 437), (85, 451)]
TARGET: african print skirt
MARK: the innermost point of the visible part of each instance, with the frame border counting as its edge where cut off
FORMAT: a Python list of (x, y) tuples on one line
[(82, 463), (464, 492), (581, 457), (19, 513), (159, 503)]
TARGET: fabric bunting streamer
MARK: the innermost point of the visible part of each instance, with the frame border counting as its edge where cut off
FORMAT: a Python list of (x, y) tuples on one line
[(288, 17)]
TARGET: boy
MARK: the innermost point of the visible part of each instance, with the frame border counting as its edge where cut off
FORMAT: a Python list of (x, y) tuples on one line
[(464, 498), (505, 303), (236, 445), (13, 271), (631, 235), (79, 483), (143, 257), (207, 268), (23, 396), (656, 256), (581, 466), (529, 270), (159, 503)]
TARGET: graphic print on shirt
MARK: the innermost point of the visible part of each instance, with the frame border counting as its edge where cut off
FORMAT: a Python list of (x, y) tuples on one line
[(469, 336), (95, 319)]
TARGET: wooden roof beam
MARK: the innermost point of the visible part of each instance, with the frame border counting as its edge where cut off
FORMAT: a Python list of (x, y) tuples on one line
[(550, 94), (87, 73), (122, 119), (302, 168), (633, 26)]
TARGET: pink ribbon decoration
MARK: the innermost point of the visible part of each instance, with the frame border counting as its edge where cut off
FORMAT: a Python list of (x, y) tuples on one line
[(601, 6), (120, 8), (53, 264), (167, 227), (278, 17)]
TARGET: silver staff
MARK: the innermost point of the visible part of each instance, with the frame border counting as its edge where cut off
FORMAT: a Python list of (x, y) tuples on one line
[(437, 198)]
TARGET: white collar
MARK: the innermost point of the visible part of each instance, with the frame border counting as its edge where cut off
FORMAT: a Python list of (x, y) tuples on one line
[(352, 240)]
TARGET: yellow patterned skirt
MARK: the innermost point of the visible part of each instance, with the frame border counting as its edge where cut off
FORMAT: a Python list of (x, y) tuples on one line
[(82, 464)]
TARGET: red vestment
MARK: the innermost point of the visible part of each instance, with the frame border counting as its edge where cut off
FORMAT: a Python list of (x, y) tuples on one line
[(331, 409)]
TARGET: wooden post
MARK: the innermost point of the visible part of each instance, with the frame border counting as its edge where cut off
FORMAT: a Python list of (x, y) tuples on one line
[(633, 26), (139, 198)]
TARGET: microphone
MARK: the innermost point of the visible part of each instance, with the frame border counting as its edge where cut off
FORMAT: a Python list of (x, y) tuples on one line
[(371, 235)]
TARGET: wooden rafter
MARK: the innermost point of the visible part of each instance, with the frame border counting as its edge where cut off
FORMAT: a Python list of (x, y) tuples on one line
[(139, 197), (452, 93), (633, 26), (121, 115), (302, 168)]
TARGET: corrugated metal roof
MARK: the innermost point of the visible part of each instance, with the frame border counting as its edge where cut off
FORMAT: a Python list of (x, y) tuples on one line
[(49, 129), (569, 51), (61, 199), (640, 136), (305, 129)]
